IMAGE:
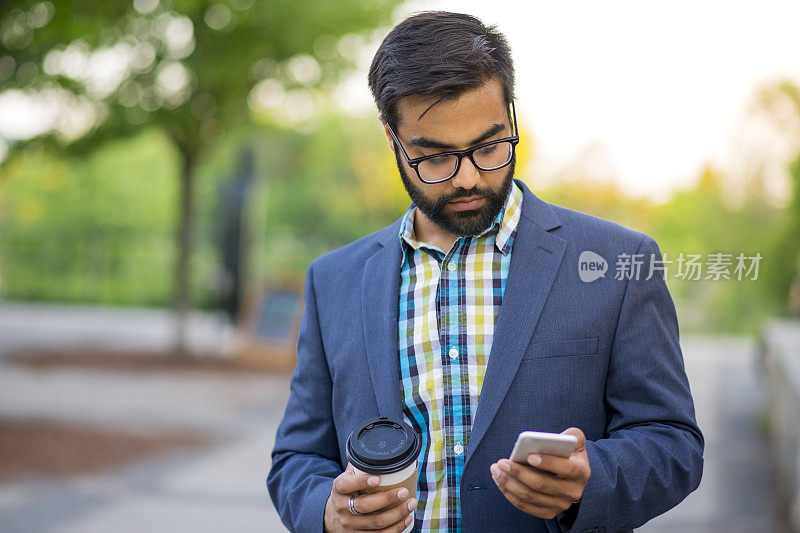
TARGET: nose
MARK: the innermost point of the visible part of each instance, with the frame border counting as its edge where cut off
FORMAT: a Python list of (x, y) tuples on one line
[(467, 176)]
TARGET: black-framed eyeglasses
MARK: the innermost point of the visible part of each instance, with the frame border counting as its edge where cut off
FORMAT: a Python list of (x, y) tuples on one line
[(440, 167)]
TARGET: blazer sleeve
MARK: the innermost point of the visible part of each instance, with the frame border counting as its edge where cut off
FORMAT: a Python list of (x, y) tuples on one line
[(652, 456), (305, 459)]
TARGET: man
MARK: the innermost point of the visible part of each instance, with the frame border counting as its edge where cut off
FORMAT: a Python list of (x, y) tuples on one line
[(472, 319)]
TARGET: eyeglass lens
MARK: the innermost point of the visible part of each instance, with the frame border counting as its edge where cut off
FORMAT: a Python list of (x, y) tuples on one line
[(489, 157)]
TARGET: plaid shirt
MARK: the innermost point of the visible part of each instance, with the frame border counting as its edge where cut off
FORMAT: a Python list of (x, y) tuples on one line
[(449, 304)]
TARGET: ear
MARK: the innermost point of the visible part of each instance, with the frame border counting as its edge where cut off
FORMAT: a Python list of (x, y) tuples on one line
[(388, 134)]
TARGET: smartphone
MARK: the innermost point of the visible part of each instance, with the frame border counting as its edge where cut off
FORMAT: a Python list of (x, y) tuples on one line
[(540, 442)]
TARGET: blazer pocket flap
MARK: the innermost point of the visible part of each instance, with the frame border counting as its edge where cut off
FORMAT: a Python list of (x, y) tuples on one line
[(537, 350)]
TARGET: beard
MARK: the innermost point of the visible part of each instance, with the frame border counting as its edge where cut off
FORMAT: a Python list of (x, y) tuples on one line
[(471, 222)]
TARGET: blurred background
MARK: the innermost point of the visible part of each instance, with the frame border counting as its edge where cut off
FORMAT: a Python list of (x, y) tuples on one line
[(169, 168)]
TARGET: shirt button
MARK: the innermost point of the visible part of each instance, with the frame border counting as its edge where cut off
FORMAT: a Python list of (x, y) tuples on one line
[(453, 353), (458, 448), (451, 266)]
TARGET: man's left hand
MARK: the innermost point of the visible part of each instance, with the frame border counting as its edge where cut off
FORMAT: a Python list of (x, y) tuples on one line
[(550, 485)]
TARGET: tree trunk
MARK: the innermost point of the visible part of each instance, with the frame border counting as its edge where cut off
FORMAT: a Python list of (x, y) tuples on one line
[(183, 297)]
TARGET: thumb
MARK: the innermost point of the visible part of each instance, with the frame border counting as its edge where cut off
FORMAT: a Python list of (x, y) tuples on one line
[(581, 438)]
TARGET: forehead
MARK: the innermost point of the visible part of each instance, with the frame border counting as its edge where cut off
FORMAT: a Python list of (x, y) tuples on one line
[(454, 121)]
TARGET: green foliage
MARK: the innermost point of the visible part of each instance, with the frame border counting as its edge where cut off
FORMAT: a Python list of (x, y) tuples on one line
[(196, 61), (101, 229), (699, 220), (189, 68), (785, 242), (313, 192), (338, 184), (97, 229)]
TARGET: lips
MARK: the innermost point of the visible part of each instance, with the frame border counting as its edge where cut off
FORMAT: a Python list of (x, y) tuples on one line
[(465, 200), (468, 204)]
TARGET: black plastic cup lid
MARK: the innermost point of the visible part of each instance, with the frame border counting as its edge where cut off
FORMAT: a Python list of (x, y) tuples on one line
[(382, 446)]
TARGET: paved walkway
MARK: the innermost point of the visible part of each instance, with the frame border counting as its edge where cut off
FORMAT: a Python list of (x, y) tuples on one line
[(43, 327), (217, 489), (222, 489), (737, 493)]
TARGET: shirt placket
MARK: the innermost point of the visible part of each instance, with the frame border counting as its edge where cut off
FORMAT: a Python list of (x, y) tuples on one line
[(451, 315)]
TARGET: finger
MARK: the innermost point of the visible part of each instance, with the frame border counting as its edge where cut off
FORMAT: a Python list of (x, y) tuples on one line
[(529, 508), (369, 503), (513, 487), (537, 480), (565, 467), (399, 527), (399, 515), (530, 494), (581, 438), (347, 482)]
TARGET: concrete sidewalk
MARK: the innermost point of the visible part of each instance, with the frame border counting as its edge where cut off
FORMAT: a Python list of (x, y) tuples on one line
[(737, 493), (39, 326), (221, 488)]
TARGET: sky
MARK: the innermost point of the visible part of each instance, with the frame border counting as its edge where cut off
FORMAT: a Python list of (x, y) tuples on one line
[(643, 93)]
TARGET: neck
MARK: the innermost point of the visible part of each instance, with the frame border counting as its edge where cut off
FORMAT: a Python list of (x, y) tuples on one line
[(427, 231)]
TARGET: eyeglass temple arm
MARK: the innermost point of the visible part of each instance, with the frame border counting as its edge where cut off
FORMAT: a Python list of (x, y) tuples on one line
[(396, 140), (514, 113)]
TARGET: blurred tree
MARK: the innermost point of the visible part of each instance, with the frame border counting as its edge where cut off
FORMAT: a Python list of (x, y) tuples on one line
[(190, 67), (781, 102), (91, 229)]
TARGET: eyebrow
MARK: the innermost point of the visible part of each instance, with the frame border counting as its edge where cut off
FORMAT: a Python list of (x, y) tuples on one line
[(427, 142)]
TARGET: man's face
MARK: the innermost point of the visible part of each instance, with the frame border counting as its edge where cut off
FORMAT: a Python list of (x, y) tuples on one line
[(474, 117)]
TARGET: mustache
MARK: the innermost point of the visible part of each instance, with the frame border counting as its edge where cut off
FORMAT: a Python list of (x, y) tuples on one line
[(465, 194)]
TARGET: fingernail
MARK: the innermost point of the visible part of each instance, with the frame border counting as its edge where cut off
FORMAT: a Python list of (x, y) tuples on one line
[(402, 493), (535, 459), (412, 505), (495, 470), (373, 480), (504, 466), (408, 519)]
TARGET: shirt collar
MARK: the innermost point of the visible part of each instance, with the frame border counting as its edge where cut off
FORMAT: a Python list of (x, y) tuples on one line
[(504, 225)]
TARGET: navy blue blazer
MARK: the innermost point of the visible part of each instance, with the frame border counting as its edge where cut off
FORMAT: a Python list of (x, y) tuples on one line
[(602, 356)]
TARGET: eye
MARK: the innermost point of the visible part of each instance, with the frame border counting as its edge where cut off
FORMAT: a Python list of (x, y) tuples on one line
[(486, 150), (437, 161)]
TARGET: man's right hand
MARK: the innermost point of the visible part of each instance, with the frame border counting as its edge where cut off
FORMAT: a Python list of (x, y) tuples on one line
[(389, 511)]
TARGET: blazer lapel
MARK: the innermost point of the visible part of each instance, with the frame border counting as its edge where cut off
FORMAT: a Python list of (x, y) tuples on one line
[(535, 259), (380, 288), (536, 256)]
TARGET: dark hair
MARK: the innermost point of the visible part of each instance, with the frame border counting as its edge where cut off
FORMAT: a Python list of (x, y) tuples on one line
[(438, 54)]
